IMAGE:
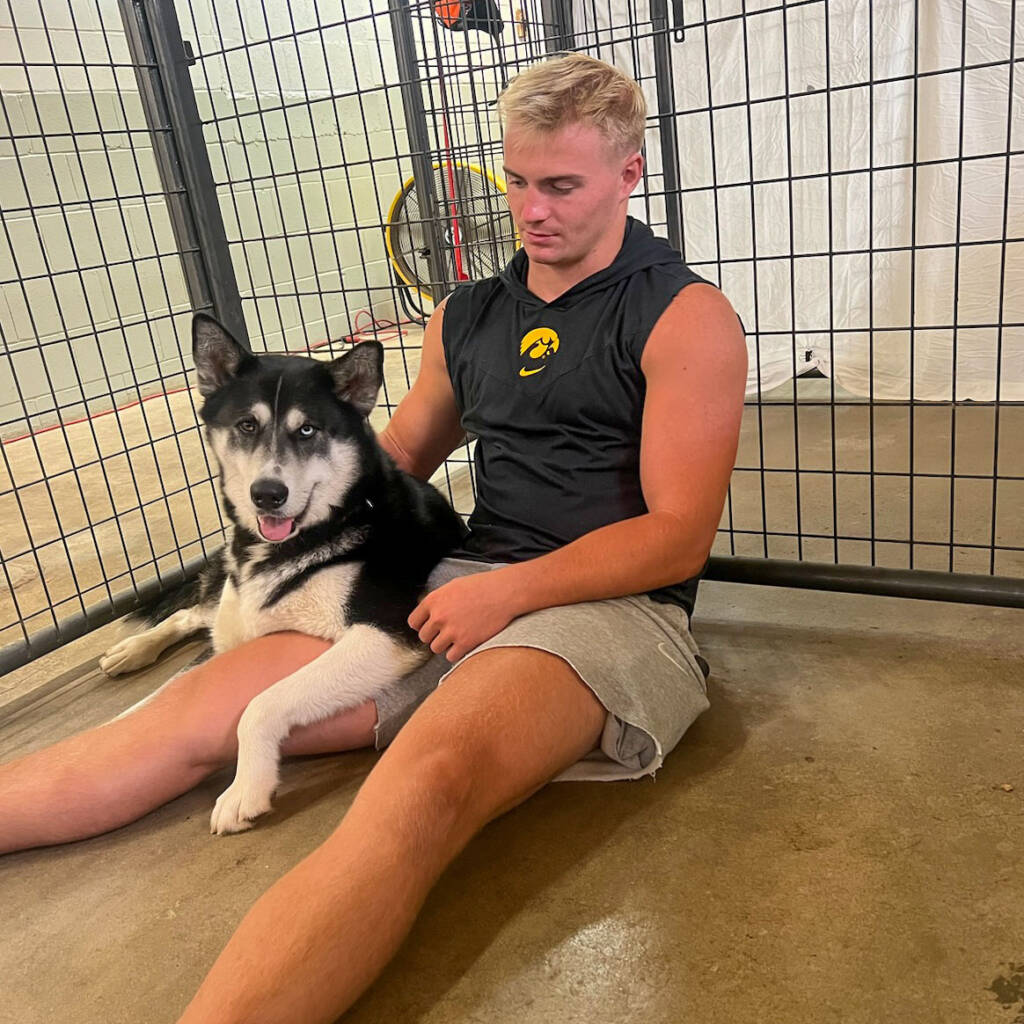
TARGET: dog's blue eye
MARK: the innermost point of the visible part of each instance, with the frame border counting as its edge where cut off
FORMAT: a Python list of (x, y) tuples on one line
[(307, 430), (247, 426)]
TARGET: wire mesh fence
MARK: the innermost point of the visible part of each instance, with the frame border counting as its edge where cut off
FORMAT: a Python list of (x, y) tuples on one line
[(859, 164), (104, 480), (303, 113), (850, 173)]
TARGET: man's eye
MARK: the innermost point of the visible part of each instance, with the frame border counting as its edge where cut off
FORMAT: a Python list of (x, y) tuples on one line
[(248, 425), (307, 430)]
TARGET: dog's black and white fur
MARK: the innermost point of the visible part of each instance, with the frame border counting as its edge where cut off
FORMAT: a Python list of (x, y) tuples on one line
[(328, 538)]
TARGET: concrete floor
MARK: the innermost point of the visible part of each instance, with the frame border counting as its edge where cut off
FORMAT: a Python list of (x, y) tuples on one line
[(834, 841)]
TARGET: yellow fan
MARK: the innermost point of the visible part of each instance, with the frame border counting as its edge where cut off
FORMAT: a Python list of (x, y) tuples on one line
[(478, 232)]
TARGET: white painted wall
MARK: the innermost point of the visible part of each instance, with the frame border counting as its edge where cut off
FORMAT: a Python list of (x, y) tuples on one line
[(64, 332)]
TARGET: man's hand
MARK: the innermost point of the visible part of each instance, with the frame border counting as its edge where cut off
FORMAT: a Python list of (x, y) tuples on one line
[(465, 612)]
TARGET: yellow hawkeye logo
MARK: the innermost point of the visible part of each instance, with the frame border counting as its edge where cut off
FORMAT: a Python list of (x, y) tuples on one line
[(536, 348)]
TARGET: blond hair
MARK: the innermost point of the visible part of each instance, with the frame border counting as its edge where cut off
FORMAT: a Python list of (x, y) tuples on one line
[(575, 88)]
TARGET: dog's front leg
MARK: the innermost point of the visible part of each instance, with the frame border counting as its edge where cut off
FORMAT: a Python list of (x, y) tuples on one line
[(354, 670), (143, 649)]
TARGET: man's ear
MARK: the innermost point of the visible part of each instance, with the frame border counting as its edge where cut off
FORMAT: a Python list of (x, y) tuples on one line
[(216, 354), (358, 375), (632, 172)]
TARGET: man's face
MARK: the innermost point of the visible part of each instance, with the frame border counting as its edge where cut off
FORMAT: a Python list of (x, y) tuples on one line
[(565, 189)]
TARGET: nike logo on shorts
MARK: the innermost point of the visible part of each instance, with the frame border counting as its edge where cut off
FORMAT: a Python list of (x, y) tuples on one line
[(663, 649)]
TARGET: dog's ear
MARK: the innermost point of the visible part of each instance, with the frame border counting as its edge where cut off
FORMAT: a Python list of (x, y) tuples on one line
[(359, 374), (216, 354)]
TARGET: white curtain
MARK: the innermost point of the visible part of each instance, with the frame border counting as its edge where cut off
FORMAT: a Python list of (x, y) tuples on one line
[(821, 221)]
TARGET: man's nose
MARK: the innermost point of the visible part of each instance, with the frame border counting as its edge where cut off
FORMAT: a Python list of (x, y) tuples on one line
[(535, 208)]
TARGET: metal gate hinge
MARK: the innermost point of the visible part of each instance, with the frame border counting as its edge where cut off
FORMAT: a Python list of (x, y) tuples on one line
[(678, 21)]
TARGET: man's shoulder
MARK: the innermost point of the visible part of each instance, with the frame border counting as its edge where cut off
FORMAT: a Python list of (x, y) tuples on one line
[(698, 297), (679, 275), (701, 316), (468, 297), (463, 309)]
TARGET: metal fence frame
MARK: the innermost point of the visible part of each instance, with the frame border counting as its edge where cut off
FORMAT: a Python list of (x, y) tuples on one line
[(162, 59), (169, 103), (875, 580), (156, 57)]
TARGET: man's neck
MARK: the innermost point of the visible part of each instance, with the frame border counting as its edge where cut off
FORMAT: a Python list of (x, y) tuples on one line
[(548, 281)]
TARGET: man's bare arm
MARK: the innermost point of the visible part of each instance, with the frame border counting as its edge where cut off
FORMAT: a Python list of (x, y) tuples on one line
[(424, 429), (695, 366)]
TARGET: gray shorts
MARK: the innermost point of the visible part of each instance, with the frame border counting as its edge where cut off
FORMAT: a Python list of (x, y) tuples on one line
[(650, 679)]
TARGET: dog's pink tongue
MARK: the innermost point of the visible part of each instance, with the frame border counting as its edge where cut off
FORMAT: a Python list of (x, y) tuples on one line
[(273, 528)]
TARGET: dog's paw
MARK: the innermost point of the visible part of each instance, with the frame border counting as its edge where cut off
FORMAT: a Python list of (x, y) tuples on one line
[(127, 655), (238, 805)]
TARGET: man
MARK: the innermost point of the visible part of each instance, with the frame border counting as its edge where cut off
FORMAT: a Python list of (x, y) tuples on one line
[(604, 382)]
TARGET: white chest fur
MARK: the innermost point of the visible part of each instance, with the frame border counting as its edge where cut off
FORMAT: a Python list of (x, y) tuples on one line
[(316, 607)]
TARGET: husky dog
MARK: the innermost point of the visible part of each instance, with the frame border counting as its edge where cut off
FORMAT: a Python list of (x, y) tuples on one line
[(328, 538)]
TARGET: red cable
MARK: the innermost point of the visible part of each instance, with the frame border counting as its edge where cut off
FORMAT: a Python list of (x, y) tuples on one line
[(94, 416)]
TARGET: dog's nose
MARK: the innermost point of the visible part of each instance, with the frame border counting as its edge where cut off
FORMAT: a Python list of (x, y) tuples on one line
[(268, 494)]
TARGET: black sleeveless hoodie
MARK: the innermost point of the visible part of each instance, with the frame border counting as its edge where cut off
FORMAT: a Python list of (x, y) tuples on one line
[(554, 393)]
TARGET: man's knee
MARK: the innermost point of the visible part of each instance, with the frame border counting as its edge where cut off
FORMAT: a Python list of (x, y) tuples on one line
[(518, 702), (416, 804), (502, 724)]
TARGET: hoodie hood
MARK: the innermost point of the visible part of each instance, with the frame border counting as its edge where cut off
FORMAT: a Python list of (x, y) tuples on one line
[(640, 250)]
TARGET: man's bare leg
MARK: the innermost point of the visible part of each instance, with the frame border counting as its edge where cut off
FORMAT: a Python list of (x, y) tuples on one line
[(503, 724), (113, 774)]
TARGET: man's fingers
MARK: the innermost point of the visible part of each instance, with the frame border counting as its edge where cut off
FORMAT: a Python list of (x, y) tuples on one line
[(440, 643), (429, 631), (418, 617)]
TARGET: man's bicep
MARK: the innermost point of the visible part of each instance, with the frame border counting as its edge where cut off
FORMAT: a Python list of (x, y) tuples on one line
[(695, 367), (424, 429)]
